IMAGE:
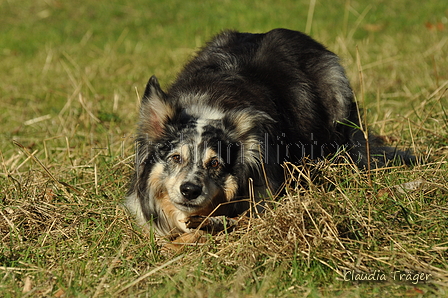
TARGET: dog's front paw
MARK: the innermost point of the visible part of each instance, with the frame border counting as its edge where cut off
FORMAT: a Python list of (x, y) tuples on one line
[(195, 222), (210, 224)]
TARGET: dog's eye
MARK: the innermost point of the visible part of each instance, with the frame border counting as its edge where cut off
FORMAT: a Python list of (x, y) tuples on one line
[(214, 163), (176, 158)]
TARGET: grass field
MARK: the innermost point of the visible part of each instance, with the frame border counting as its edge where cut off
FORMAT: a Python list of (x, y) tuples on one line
[(70, 75)]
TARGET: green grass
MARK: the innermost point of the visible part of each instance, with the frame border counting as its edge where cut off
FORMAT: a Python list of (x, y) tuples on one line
[(70, 72)]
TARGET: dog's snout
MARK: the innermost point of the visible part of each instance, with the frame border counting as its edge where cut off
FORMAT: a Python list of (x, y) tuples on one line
[(190, 191)]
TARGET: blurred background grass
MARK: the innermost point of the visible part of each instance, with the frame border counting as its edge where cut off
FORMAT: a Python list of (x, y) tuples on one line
[(70, 72), (51, 50)]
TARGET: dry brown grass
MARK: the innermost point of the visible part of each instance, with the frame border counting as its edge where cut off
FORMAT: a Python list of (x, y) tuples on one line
[(338, 221)]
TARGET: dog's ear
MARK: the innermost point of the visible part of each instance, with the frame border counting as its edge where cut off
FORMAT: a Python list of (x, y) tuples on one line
[(153, 90), (155, 111)]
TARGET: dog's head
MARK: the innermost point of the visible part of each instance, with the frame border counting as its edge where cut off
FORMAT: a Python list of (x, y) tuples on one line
[(190, 159)]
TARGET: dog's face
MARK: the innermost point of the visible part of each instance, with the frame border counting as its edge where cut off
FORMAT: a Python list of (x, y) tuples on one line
[(192, 168), (191, 159)]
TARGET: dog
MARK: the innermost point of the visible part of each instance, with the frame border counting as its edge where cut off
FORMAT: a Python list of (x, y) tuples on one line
[(244, 105)]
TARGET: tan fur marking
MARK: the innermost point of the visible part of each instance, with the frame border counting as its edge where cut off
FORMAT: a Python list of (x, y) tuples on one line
[(154, 180), (171, 213), (230, 188), (209, 155)]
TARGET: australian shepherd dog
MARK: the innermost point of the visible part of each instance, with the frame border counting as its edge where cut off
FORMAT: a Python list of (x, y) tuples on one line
[(244, 105)]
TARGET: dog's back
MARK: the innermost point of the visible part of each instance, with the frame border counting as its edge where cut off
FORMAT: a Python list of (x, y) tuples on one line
[(293, 79)]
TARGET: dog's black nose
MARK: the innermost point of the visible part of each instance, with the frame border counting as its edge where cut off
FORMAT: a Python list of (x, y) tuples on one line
[(190, 191)]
